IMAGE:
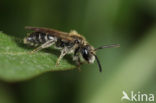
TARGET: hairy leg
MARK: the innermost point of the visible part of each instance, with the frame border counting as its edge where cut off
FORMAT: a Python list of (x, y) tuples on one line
[(63, 53), (45, 45), (76, 58)]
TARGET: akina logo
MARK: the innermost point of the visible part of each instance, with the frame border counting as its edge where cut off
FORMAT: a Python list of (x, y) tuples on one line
[(138, 96)]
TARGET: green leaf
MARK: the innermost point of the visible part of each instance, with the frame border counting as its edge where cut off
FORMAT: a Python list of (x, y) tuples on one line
[(16, 63)]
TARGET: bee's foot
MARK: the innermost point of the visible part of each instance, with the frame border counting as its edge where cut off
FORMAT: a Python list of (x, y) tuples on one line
[(57, 64)]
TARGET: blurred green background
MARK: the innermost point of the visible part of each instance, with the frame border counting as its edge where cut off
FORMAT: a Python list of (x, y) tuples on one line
[(132, 67)]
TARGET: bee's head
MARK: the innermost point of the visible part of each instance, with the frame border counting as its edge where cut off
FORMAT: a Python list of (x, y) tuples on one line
[(88, 53)]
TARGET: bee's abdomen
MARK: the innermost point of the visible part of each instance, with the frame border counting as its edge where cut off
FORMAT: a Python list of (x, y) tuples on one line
[(38, 38)]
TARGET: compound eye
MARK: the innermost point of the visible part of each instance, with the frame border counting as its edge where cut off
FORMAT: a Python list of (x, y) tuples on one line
[(85, 54), (85, 51)]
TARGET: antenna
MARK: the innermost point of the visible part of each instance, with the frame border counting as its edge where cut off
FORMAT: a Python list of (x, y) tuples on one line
[(98, 62), (108, 46)]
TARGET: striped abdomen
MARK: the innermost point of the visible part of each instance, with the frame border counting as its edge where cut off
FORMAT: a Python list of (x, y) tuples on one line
[(38, 38)]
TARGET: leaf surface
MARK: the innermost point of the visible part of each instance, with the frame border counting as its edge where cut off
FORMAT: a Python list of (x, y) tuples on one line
[(16, 63)]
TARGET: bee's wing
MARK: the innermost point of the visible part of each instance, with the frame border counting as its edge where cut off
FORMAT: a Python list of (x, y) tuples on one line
[(54, 32)]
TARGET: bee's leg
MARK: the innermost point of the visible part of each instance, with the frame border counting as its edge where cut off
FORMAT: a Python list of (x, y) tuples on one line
[(45, 45), (78, 62), (63, 53), (76, 58)]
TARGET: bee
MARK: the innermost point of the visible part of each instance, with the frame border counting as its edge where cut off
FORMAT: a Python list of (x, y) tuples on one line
[(67, 43)]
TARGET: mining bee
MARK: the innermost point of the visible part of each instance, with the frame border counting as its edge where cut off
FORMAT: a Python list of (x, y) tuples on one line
[(67, 43)]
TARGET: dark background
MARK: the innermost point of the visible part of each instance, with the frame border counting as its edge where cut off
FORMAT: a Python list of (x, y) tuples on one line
[(127, 22)]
